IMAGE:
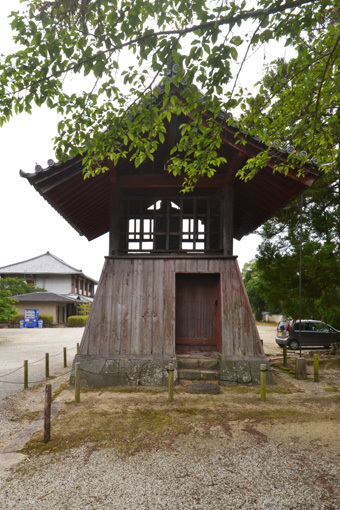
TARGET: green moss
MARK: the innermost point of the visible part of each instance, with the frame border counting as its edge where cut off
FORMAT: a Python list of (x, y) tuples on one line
[(143, 420), (126, 432), (59, 390), (287, 370), (126, 389), (239, 389)]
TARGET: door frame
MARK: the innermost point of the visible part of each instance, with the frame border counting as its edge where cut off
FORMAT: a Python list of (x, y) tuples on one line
[(218, 325)]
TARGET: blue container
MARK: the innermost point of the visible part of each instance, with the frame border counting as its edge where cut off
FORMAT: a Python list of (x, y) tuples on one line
[(21, 324), (40, 323), (31, 316)]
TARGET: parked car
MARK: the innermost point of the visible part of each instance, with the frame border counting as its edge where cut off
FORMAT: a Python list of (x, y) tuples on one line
[(313, 334)]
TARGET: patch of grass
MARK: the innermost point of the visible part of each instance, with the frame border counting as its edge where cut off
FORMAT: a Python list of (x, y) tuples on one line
[(59, 390), (127, 432), (239, 389), (331, 389), (188, 411), (27, 415), (155, 390), (279, 390), (287, 370), (143, 420)]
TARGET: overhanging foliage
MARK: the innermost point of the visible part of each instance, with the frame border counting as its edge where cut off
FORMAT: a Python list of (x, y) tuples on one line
[(120, 99)]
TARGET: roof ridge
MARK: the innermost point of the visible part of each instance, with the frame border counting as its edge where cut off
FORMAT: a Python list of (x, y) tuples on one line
[(43, 255), (63, 262), (23, 261)]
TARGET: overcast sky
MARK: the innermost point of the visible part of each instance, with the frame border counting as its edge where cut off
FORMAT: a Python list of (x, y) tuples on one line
[(29, 225)]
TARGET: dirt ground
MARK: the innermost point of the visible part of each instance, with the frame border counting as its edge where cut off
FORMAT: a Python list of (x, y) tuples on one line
[(135, 419)]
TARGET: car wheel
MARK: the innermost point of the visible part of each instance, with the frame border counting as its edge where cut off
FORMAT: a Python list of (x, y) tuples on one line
[(294, 345)]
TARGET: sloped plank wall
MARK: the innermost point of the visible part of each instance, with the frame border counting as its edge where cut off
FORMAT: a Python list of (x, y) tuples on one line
[(133, 314)]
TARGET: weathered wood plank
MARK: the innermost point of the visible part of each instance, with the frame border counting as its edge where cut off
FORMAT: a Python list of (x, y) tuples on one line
[(169, 300), (134, 310), (157, 308), (127, 305)]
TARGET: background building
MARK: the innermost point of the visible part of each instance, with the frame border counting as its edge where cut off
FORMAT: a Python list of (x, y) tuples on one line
[(65, 286)]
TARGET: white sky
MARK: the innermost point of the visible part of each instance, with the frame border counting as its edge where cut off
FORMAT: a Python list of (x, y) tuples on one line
[(29, 226)]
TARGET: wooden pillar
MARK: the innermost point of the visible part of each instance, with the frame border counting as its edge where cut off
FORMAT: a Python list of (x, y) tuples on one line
[(115, 213), (228, 219)]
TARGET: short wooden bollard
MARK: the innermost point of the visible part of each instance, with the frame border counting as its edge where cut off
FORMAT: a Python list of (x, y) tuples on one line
[(47, 413), (47, 365), (65, 357), (25, 374), (77, 383), (285, 359), (263, 378), (171, 370), (300, 369), (316, 368), (77, 348)]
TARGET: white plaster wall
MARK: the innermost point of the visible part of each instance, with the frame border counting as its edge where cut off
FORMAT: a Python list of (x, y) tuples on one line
[(58, 284)]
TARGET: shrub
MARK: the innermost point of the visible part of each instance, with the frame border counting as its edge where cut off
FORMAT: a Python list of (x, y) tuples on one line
[(16, 319), (77, 320), (47, 319)]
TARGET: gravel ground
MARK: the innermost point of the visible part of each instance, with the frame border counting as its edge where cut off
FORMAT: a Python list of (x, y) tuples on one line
[(247, 465), (229, 473)]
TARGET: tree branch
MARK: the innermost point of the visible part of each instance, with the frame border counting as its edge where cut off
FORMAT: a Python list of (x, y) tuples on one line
[(322, 81), (227, 20)]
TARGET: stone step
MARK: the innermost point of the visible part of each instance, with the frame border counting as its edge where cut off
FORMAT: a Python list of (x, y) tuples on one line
[(198, 374), (206, 363)]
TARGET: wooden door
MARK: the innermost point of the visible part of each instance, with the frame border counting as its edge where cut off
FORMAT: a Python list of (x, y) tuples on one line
[(198, 317)]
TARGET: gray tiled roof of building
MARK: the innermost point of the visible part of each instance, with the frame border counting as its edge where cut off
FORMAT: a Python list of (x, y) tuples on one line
[(43, 297), (43, 264)]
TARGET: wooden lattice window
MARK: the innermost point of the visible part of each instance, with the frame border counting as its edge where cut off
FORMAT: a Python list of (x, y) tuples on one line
[(175, 225)]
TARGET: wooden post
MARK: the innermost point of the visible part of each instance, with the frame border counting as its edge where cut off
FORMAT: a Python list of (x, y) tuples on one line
[(171, 370), (263, 377), (227, 221), (284, 355), (65, 357), (25, 374), (77, 382), (115, 212), (47, 413), (77, 348), (47, 365), (316, 368), (300, 369)]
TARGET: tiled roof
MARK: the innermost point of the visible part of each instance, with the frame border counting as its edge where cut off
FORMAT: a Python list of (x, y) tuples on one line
[(43, 264), (79, 298), (43, 297), (85, 203)]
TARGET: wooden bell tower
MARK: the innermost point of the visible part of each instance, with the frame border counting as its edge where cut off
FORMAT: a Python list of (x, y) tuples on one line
[(170, 286)]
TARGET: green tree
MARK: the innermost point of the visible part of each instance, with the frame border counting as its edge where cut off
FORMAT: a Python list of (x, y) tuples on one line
[(18, 286), (279, 254), (84, 308), (254, 287), (12, 287), (7, 308), (124, 106)]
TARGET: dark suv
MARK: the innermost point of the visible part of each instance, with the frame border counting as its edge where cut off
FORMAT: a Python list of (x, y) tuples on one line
[(313, 334)]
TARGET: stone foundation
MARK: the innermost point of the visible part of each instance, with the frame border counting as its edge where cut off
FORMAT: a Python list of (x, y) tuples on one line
[(101, 372), (122, 372), (243, 371)]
